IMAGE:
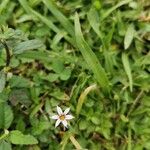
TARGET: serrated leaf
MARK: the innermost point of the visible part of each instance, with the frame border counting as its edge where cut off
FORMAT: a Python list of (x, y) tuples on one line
[(6, 116), (2, 81), (129, 36), (18, 138), (27, 45)]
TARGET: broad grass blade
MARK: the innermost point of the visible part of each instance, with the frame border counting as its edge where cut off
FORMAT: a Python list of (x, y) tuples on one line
[(82, 97), (127, 68), (90, 57), (129, 36)]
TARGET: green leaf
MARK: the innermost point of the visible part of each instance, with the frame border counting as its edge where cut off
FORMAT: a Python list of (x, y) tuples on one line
[(129, 36), (95, 120), (57, 66), (27, 45), (127, 68), (6, 116), (29, 10), (5, 145), (21, 96), (82, 97), (65, 74), (2, 81), (90, 57), (83, 125), (45, 20), (18, 138), (19, 82), (94, 21)]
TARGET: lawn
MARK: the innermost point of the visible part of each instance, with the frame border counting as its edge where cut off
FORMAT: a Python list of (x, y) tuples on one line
[(74, 74)]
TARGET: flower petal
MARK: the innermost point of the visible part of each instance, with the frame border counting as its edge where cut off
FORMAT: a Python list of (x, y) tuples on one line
[(64, 122), (59, 110), (66, 111), (57, 123), (55, 117), (68, 117)]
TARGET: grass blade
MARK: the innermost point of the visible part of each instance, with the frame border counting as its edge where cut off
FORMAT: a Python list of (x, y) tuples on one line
[(90, 57), (83, 96), (94, 21), (46, 21), (126, 65), (29, 10), (60, 17), (129, 36), (109, 11)]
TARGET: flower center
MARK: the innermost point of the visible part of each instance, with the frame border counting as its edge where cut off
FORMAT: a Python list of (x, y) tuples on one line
[(62, 117)]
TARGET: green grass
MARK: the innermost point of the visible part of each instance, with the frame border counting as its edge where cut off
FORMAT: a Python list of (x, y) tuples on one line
[(89, 55)]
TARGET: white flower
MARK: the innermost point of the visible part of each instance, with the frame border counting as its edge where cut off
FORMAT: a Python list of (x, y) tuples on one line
[(62, 117)]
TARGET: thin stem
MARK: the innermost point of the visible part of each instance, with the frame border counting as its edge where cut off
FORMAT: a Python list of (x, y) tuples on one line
[(135, 102), (8, 56)]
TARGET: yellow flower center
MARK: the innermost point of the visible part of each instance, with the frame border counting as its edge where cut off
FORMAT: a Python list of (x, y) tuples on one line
[(62, 117)]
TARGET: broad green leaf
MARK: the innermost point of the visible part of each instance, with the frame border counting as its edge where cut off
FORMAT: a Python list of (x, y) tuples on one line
[(19, 82), (20, 95), (65, 74), (40, 127), (95, 120), (127, 68), (5, 145), (18, 138), (6, 116), (90, 57), (129, 36), (60, 17), (57, 66), (27, 45), (2, 81)]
